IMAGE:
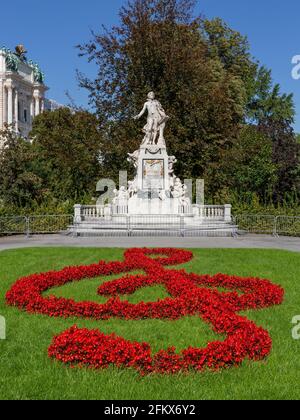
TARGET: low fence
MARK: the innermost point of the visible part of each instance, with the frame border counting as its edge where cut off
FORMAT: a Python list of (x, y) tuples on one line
[(287, 226), (256, 223), (48, 224), (45, 224), (133, 225), (271, 225), (13, 225)]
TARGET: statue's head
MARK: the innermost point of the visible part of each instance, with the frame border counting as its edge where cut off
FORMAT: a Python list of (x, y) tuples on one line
[(151, 95)]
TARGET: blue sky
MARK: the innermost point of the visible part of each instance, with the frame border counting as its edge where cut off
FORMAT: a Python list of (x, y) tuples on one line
[(50, 29)]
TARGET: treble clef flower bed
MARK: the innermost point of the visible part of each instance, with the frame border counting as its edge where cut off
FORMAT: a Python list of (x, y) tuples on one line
[(190, 295)]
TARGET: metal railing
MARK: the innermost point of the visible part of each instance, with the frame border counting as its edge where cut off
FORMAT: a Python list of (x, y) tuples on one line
[(164, 225), (267, 224), (133, 225), (32, 225), (161, 225), (253, 223), (287, 226), (13, 225)]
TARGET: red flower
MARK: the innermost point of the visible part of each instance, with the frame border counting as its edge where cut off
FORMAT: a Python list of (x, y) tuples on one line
[(190, 294)]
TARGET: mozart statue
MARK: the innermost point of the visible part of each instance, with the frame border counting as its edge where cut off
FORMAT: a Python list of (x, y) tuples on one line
[(156, 121)]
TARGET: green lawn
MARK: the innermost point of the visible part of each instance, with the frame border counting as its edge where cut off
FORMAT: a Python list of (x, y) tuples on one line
[(26, 372)]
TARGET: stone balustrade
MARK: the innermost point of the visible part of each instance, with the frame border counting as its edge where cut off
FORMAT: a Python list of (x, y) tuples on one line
[(120, 210), (215, 213), (206, 212)]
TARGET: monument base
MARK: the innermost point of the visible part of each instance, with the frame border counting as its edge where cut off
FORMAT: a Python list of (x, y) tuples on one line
[(155, 202), (157, 206), (101, 221)]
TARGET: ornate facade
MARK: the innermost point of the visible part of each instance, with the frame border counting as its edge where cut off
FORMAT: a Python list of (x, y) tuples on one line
[(22, 90)]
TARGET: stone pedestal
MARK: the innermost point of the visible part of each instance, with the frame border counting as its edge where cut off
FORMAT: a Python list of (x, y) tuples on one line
[(153, 165), (155, 189)]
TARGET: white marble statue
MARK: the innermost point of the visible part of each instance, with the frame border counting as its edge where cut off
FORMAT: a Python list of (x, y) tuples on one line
[(134, 158), (162, 195), (132, 188), (184, 200), (121, 196), (179, 191), (156, 122), (172, 161)]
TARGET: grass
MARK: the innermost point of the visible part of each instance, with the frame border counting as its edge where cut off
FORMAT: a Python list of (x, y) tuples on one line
[(26, 372)]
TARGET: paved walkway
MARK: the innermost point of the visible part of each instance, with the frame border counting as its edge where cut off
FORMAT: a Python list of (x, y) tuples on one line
[(248, 241)]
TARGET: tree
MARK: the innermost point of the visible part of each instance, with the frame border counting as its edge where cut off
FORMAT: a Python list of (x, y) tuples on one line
[(286, 156), (19, 184), (67, 147), (264, 99), (267, 102), (248, 165), (158, 46), (230, 47)]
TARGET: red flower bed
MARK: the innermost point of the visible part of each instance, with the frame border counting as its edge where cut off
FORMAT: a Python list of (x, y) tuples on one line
[(190, 294)]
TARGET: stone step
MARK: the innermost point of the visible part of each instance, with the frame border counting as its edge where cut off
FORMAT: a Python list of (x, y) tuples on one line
[(149, 224), (208, 230)]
